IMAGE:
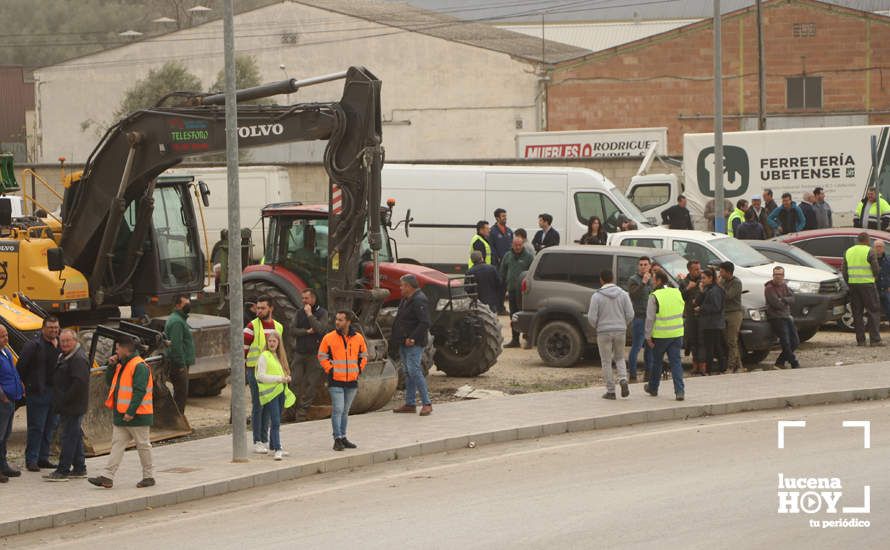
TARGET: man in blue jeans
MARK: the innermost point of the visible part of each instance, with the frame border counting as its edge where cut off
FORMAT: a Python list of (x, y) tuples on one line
[(639, 286), (71, 387), (36, 366), (664, 333), (343, 355), (410, 334), (11, 390)]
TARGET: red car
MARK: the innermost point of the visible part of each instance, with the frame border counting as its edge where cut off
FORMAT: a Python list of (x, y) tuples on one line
[(829, 245)]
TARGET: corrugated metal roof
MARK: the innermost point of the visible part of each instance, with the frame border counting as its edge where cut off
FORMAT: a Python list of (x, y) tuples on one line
[(599, 36), (481, 35)]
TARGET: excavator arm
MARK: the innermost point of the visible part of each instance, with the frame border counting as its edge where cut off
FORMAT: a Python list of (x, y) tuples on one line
[(123, 167)]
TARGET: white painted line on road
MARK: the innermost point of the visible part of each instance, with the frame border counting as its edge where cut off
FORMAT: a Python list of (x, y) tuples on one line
[(866, 430), (788, 424)]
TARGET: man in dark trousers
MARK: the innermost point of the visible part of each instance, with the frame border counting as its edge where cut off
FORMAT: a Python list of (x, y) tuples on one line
[(809, 212), (310, 327), (546, 236), (732, 309), (11, 390), (861, 270), (513, 264), (181, 352), (761, 216), (410, 333), (485, 279), (779, 300), (480, 243), (677, 216), (71, 388), (36, 366)]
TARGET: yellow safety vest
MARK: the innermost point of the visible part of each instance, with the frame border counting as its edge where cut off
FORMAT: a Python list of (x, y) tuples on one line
[(259, 341), (858, 269), (873, 211), (737, 214), (478, 237), (268, 392), (669, 317)]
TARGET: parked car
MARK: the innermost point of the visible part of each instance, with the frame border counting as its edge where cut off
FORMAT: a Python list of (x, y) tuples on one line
[(829, 245), (787, 254), (561, 280), (821, 298)]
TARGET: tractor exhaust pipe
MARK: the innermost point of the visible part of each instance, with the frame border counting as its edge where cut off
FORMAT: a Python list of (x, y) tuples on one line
[(281, 87)]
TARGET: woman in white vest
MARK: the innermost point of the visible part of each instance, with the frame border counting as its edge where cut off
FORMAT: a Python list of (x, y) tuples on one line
[(273, 376)]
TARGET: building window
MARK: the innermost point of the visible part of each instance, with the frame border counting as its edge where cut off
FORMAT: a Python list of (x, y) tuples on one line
[(803, 30), (804, 92)]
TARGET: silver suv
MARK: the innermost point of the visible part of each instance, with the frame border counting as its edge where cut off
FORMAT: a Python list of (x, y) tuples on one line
[(557, 289)]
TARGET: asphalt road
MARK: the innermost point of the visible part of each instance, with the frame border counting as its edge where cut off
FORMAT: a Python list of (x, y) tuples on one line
[(703, 483)]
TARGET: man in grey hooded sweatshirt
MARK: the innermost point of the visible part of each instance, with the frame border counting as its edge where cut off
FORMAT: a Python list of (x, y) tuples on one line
[(610, 312)]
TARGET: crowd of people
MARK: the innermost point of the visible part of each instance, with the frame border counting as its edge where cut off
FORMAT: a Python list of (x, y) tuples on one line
[(761, 218), (703, 316)]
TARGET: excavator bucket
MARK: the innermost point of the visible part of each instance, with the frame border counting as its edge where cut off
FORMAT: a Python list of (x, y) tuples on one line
[(8, 183), (169, 422)]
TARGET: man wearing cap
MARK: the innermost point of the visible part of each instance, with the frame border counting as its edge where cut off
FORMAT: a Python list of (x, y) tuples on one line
[(130, 388), (410, 333)]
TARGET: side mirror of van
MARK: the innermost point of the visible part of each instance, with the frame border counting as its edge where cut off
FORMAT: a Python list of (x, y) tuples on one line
[(205, 193), (5, 212), (55, 259)]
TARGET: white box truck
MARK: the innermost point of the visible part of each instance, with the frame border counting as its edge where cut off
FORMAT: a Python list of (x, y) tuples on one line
[(446, 201), (793, 160)]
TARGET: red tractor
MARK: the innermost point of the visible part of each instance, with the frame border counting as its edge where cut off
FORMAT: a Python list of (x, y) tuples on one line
[(467, 338)]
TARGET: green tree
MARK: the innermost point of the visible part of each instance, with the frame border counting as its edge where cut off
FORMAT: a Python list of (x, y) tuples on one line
[(247, 74), (171, 77)]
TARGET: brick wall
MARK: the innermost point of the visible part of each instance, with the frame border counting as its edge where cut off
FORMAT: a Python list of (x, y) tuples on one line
[(667, 80)]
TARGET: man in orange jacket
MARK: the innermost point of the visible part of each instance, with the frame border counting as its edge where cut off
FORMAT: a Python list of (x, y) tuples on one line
[(130, 400), (343, 355)]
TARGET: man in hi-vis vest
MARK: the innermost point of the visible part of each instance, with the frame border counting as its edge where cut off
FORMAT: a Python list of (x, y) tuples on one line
[(664, 333), (130, 400), (860, 270), (254, 344)]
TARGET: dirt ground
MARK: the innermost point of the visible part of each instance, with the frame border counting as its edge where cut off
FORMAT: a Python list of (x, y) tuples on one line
[(517, 371)]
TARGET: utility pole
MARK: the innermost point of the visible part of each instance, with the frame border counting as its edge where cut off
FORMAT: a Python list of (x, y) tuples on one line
[(236, 302), (761, 71), (719, 220)]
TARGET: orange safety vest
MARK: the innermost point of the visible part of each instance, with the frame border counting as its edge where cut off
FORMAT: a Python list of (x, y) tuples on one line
[(125, 391), (345, 355)]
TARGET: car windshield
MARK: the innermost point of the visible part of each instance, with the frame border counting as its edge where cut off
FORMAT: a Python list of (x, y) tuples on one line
[(739, 253), (809, 260), (674, 264), (630, 209)]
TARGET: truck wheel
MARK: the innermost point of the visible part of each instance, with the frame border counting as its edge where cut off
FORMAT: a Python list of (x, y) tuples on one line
[(385, 320), (472, 344), (560, 344)]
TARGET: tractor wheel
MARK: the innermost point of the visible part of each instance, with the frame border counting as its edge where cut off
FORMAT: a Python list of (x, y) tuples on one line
[(473, 343), (385, 320)]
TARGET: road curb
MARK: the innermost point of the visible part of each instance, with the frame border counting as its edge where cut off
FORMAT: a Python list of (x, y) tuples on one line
[(287, 472)]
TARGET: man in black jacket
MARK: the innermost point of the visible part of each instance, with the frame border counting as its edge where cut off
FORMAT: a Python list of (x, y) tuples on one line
[(71, 395), (410, 333), (546, 236), (487, 282), (309, 328), (36, 366), (677, 216)]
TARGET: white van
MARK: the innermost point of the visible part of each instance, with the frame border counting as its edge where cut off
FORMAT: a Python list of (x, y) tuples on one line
[(447, 201)]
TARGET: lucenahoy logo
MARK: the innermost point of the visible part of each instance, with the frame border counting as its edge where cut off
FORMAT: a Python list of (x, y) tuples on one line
[(735, 166)]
